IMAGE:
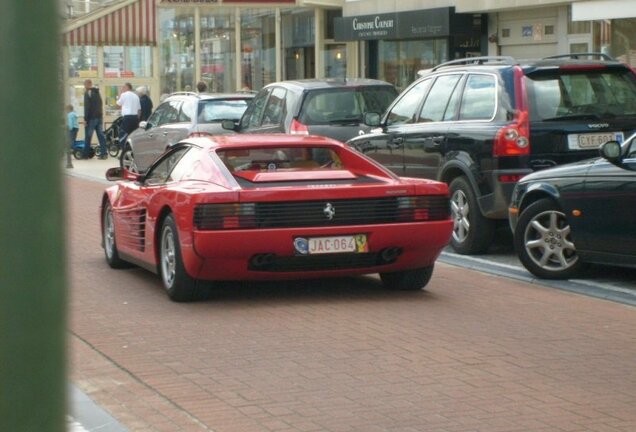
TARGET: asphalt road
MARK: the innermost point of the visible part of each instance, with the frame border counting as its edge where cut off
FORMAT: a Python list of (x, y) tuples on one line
[(474, 352)]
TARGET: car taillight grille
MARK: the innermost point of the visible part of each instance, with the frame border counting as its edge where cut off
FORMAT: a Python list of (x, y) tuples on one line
[(321, 213)]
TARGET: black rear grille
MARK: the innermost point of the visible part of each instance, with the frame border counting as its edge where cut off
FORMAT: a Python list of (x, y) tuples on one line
[(345, 212), (321, 213)]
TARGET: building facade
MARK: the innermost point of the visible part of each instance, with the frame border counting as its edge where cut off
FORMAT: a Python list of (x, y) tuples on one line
[(170, 45)]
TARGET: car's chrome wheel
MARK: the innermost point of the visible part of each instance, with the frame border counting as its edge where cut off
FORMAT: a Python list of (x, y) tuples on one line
[(547, 240), (168, 259), (544, 243), (460, 209), (472, 232), (128, 160), (109, 241), (179, 285)]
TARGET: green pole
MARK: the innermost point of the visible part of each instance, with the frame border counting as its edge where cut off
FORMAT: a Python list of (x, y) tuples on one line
[(32, 249)]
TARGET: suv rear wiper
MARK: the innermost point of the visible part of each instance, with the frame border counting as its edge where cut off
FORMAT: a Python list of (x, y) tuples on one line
[(346, 121), (574, 117)]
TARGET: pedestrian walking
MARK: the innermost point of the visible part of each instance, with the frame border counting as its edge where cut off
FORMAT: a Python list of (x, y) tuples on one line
[(94, 119), (73, 127), (145, 101), (130, 106)]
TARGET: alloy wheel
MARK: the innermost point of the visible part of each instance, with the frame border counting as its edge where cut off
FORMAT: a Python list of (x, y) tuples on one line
[(168, 258), (109, 234), (460, 210), (547, 241)]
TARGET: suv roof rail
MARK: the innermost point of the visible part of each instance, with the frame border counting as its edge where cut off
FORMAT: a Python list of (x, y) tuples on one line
[(576, 56), (477, 61), (184, 93)]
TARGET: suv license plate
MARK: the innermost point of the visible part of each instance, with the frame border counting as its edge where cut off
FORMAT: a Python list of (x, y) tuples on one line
[(331, 245), (592, 140)]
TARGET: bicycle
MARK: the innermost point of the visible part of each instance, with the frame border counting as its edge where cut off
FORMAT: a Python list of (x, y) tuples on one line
[(112, 137)]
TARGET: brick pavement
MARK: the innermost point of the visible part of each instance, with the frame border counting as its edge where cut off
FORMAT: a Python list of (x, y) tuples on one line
[(472, 353)]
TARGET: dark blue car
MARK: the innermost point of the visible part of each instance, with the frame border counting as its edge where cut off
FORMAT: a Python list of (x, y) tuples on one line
[(580, 213)]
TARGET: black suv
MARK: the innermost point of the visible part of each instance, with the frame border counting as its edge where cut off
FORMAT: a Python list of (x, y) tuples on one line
[(480, 124), (329, 107), (180, 115)]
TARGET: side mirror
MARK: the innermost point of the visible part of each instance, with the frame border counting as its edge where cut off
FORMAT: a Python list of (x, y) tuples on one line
[(612, 151), (118, 173), (144, 125), (229, 125), (371, 119)]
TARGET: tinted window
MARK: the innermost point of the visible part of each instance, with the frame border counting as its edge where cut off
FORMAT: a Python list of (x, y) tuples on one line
[(404, 109), (188, 164), (344, 104), (479, 99), (188, 111), (566, 93), (437, 99), (275, 108), (254, 112), (216, 110), (170, 114)]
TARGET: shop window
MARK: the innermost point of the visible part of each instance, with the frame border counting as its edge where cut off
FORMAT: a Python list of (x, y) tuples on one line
[(218, 51), (176, 35), (298, 28), (82, 62), (399, 61), (127, 62), (335, 61), (258, 48)]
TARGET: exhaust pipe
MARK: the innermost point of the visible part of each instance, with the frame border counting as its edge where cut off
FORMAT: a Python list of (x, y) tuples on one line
[(389, 255), (262, 260)]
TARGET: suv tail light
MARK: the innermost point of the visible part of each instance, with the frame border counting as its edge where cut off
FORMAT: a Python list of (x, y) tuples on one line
[(297, 128), (225, 216), (514, 139)]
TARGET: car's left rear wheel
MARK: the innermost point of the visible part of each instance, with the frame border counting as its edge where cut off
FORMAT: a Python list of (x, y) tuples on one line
[(407, 280), (179, 285), (109, 240)]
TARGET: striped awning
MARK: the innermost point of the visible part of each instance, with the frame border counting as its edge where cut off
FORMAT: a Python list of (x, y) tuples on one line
[(132, 22)]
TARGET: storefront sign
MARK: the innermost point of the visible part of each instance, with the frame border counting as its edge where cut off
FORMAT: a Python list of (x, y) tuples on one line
[(399, 25)]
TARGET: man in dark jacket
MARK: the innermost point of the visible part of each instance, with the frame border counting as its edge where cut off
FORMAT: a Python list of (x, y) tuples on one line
[(94, 119)]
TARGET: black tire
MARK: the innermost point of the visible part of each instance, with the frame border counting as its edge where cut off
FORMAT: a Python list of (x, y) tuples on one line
[(109, 241), (112, 144), (407, 280), (77, 154), (127, 160), (543, 242), (179, 285), (472, 232)]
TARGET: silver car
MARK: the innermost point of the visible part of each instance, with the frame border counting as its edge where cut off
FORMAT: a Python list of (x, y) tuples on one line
[(180, 115)]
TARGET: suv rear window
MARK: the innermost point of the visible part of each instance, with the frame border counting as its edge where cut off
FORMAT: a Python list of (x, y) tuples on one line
[(215, 110), (344, 104), (594, 93)]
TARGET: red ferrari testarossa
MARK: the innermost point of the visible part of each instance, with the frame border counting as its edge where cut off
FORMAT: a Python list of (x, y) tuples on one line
[(264, 207)]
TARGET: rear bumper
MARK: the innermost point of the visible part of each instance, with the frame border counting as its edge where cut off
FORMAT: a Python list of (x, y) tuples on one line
[(229, 255)]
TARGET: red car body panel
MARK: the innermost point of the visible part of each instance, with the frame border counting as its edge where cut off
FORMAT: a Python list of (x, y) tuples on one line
[(225, 254)]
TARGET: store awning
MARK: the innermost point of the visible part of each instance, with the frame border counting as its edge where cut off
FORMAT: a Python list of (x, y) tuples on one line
[(131, 22)]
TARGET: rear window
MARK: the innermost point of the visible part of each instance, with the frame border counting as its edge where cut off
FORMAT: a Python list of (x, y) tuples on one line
[(344, 104), (216, 110), (280, 158), (594, 94)]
